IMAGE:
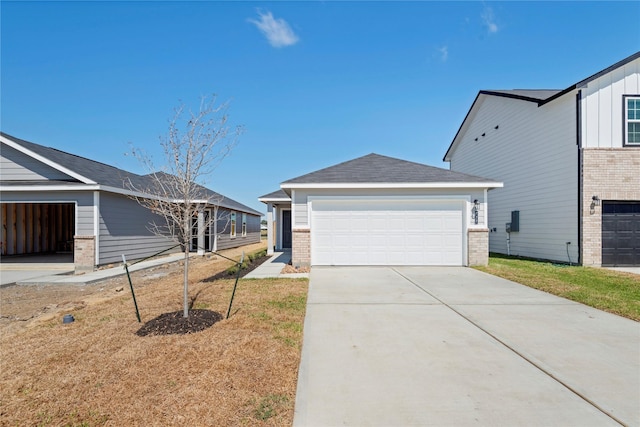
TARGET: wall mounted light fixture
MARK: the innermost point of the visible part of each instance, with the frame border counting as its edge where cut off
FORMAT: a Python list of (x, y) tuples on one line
[(474, 211), (595, 200)]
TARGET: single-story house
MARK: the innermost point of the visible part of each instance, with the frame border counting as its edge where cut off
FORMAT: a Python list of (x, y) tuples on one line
[(54, 201), (570, 162), (378, 210)]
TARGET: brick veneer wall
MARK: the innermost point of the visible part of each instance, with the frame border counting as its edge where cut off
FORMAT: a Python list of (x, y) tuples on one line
[(84, 253), (478, 246), (610, 174), (301, 248)]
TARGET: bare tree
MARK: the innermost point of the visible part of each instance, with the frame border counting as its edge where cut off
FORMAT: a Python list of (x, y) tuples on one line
[(195, 145)]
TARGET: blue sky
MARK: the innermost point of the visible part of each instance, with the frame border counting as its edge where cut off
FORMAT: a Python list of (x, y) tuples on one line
[(312, 83)]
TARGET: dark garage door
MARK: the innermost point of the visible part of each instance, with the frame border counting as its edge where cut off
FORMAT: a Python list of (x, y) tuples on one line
[(621, 233)]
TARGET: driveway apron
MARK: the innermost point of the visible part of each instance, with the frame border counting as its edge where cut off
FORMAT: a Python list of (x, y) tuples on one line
[(447, 346)]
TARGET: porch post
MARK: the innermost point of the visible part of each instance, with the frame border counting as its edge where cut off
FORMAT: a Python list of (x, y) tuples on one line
[(200, 230), (270, 229), (215, 229)]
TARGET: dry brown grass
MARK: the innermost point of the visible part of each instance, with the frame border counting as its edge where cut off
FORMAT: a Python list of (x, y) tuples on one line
[(97, 371)]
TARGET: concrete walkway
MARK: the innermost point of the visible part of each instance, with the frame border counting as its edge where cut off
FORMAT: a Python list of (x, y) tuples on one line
[(272, 268), (62, 277), (433, 346)]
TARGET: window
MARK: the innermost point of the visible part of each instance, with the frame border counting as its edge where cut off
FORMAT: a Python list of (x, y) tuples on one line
[(233, 224), (632, 120), (244, 224)]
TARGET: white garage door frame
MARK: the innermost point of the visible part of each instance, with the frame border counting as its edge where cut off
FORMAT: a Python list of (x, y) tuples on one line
[(416, 216)]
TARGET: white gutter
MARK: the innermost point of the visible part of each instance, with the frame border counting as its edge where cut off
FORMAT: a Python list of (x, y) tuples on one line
[(396, 185)]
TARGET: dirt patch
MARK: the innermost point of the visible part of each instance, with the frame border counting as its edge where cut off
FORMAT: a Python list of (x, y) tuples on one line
[(290, 269), (26, 305), (97, 371)]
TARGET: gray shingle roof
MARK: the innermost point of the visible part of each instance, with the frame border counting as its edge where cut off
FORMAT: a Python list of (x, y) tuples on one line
[(276, 195), (110, 176), (376, 169)]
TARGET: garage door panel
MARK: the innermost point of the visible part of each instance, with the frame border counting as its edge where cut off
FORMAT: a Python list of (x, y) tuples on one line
[(386, 233), (621, 233)]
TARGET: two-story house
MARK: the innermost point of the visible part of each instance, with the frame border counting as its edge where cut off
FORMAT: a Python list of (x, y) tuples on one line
[(570, 163)]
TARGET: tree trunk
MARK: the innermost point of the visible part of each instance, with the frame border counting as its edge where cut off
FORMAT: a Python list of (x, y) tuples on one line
[(186, 283), (186, 267)]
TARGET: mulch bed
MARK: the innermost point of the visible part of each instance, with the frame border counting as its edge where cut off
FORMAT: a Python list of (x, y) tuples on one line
[(176, 323), (198, 320)]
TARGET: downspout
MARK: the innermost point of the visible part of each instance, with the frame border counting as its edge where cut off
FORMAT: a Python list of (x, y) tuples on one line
[(580, 184)]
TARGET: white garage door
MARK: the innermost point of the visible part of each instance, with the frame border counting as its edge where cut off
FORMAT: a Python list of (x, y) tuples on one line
[(386, 232)]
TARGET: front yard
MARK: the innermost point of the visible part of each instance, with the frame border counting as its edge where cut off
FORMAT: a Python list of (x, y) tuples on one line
[(98, 371), (607, 290)]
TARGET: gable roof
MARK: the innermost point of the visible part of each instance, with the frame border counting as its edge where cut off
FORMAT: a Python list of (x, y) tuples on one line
[(532, 95), (276, 196), (86, 171), (540, 97), (382, 171)]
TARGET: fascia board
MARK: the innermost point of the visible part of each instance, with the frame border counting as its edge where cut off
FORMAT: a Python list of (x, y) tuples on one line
[(429, 185), (33, 188), (270, 200), (46, 161)]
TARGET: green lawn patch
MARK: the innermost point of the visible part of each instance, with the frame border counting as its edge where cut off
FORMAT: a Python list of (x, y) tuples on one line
[(612, 291)]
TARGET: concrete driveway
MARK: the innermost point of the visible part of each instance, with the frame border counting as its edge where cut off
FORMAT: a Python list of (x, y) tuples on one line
[(453, 346)]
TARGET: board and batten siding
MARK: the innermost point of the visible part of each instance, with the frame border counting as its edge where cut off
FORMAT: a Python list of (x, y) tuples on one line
[(17, 166), (602, 106), (534, 153), (125, 228)]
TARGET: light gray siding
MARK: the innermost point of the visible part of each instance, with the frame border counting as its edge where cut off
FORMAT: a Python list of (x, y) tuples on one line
[(534, 152), (300, 211), (125, 228), (17, 166), (82, 199), (225, 241)]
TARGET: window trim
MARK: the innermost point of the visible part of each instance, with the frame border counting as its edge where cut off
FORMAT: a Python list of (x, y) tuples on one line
[(244, 224), (625, 121), (232, 224)]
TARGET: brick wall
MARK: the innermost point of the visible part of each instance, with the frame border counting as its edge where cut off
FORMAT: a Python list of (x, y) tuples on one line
[(84, 253), (301, 248), (610, 174), (478, 246)]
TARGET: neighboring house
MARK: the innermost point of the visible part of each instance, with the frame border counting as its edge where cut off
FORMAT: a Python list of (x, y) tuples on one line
[(378, 210), (54, 201), (570, 163)]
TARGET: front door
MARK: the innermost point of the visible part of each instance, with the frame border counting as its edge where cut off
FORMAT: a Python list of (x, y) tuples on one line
[(286, 229)]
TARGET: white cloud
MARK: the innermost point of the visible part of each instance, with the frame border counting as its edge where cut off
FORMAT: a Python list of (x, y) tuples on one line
[(277, 31), (489, 20), (444, 53)]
